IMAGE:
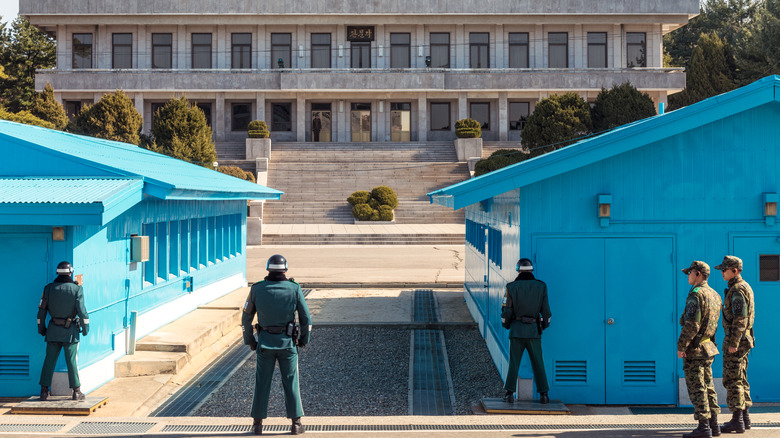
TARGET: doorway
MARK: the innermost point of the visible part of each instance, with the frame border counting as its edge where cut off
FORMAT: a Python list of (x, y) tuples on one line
[(360, 122), (401, 121), (321, 122)]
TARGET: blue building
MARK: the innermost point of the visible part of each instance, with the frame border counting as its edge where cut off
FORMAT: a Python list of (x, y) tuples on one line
[(68, 197), (610, 221)]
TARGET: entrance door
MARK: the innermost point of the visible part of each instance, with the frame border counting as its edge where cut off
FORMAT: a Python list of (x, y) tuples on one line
[(360, 122), (25, 257), (320, 118), (400, 122)]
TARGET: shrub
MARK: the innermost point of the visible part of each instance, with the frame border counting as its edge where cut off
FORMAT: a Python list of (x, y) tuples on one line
[(556, 122), (498, 159), (468, 128), (237, 172), (180, 131), (46, 107), (620, 105), (24, 117), (385, 195), (364, 212), (373, 203), (258, 129), (359, 197), (385, 213), (113, 117)]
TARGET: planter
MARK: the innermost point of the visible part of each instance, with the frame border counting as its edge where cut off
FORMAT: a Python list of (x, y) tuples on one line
[(357, 222), (466, 148), (258, 148)]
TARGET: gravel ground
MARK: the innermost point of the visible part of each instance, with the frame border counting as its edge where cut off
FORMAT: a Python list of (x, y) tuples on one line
[(474, 376)]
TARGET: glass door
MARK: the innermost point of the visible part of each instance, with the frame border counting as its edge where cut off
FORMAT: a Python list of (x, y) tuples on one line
[(361, 122), (320, 122), (400, 122)]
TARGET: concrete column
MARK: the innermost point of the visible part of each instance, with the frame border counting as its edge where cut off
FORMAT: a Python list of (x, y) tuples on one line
[(340, 46), (382, 40), (260, 107), (220, 116), (180, 49), (499, 48), (463, 107), (63, 48), (299, 48), (222, 38), (461, 43), (617, 47), (260, 50), (579, 40), (102, 47), (655, 48), (380, 119), (341, 111), (422, 117), (300, 122), (503, 117), (142, 48), (417, 42), (540, 47)]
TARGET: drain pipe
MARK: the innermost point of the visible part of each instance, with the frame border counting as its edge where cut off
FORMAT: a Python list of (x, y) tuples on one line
[(131, 341), (660, 108)]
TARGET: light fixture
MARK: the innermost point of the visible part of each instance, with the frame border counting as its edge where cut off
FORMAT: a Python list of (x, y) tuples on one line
[(605, 209), (380, 51), (770, 208), (341, 50), (381, 106), (58, 233), (300, 50), (341, 106)]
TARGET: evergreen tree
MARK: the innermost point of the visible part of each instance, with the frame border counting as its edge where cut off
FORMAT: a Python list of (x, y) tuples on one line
[(761, 55), (180, 131), (113, 117), (46, 107), (620, 105), (712, 72), (24, 49), (556, 120)]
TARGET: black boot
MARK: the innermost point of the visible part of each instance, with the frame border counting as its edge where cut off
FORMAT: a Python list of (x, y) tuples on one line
[(44, 393), (746, 418), (77, 394), (509, 397), (297, 427), (714, 425), (543, 398), (736, 425), (257, 426), (703, 431)]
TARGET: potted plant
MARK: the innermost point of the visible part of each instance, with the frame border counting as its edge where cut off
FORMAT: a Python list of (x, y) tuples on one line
[(468, 144), (258, 143)]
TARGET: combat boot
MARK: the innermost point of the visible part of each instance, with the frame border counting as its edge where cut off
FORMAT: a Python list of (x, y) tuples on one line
[(703, 431), (77, 394), (746, 418), (509, 397), (257, 426), (714, 425), (543, 398), (297, 427), (44, 393), (736, 425)]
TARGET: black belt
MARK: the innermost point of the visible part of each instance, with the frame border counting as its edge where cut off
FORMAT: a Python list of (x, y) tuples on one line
[(275, 330), (526, 319)]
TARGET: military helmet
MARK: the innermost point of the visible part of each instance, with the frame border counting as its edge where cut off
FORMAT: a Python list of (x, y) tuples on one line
[(277, 263), (524, 265), (64, 268)]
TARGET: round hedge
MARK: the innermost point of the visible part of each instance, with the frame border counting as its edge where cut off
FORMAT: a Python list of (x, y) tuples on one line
[(385, 213), (364, 212), (359, 197), (468, 128), (258, 129), (385, 196)]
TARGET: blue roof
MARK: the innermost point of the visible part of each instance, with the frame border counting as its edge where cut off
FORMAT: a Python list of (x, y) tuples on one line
[(164, 177), (617, 141)]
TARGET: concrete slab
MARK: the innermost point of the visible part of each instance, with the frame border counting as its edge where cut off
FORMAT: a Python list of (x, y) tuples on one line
[(452, 306), (524, 407), (363, 306), (59, 405), (192, 332), (150, 363), (232, 301)]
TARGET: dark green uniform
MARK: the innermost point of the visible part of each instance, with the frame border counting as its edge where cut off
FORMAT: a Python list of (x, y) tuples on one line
[(524, 300), (738, 317), (276, 303), (63, 299), (699, 323)]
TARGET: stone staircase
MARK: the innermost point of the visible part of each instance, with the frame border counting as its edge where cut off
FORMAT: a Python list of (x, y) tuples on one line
[(489, 147)]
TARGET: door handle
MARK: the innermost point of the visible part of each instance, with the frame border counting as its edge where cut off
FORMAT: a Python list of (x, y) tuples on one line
[(610, 321)]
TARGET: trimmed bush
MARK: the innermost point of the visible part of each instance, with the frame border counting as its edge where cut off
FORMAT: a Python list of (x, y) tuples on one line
[(364, 212), (468, 128), (113, 117), (24, 117), (237, 172), (498, 159), (376, 205), (46, 107), (258, 129), (359, 197), (385, 195), (385, 213)]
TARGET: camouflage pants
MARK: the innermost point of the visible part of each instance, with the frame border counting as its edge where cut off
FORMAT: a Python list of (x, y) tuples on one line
[(701, 390), (735, 379)]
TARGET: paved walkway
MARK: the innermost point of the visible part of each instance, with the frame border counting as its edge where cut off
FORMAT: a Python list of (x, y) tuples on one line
[(364, 229)]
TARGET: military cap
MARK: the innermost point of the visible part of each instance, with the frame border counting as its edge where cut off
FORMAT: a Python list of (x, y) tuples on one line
[(730, 262), (699, 266)]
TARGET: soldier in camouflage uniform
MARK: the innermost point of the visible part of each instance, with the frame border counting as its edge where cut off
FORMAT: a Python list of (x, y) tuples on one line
[(738, 315), (696, 346)]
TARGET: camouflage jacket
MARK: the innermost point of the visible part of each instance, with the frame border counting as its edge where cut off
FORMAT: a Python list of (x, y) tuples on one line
[(738, 315), (700, 322)]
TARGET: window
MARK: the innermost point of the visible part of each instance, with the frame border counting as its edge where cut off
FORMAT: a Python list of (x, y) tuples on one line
[(201, 50), (518, 50), (82, 50), (558, 49), (194, 244), (203, 242), (281, 48), (479, 45), (440, 116), (480, 111), (220, 229), (173, 249), (162, 50), (597, 50), (122, 50), (206, 108), (518, 114), (320, 50), (440, 50), (73, 107), (162, 251), (149, 265), (212, 236), (636, 50), (400, 50), (769, 268), (281, 117), (184, 250), (241, 50), (494, 246), (241, 115), (360, 54), (475, 235)]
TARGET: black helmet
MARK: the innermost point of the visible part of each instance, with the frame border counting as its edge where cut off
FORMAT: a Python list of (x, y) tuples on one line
[(277, 263), (524, 265), (64, 268)]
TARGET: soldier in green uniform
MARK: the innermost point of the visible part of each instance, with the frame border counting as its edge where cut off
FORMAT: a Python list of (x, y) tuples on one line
[(738, 316), (63, 299), (276, 300), (696, 346), (524, 300)]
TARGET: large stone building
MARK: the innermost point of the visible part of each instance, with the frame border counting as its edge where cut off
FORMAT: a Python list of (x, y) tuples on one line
[(379, 71)]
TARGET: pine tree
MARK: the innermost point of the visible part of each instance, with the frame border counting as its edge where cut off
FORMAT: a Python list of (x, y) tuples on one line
[(556, 120), (712, 72), (113, 117), (761, 55), (46, 107), (180, 131), (23, 49), (620, 105)]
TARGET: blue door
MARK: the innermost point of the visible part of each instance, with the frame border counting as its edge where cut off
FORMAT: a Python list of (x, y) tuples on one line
[(25, 259), (761, 259)]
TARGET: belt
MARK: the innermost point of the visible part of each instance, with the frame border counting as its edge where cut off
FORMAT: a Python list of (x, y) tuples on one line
[(275, 330)]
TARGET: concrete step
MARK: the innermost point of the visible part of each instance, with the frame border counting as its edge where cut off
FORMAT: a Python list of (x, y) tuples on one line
[(150, 363), (363, 239)]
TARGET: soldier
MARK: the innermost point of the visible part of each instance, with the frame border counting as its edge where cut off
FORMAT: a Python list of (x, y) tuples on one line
[(63, 299), (738, 315), (316, 127), (524, 300), (276, 301), (696, 346)]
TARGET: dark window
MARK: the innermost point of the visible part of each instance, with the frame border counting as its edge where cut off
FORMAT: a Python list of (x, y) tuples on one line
[(242, 114), (122, 50), (206, 108), (479, 45), (440, 50), (360, 54), (281, 117), (769, 268), (162, 50), (400, 50), (400, 106), (281, 48), (518, 50), (558, 49), (201, 50), (518, 114), (241, 49), (480, 111), (82, 50), (636, 51), (440, 116), (320, 50), (73, 107), (597, 49)]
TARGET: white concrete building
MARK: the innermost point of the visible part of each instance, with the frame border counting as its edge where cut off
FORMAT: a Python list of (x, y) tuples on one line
[(379, 71)]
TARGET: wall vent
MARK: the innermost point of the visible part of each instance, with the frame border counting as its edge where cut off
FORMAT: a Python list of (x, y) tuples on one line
[(568, 372), (14, 367), (638, 372)]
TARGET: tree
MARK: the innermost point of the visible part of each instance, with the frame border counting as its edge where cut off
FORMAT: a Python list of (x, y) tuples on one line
[(555, 121), (24, 117), (46, 107), (761, 57), (24, 49), (113, 117), (712, 72), (180, 131), (620, 105)]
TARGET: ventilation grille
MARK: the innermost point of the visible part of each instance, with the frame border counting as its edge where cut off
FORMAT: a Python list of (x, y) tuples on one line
[(14, 367), (639, 372), (571, 372)]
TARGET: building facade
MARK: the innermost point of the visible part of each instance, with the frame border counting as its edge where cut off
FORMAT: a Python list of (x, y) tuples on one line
[(369, 71)]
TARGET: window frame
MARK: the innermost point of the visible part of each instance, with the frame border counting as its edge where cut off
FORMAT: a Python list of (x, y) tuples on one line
[(157, 46), (550, 46), (358, 46), (284, 48), (520, 45), (479, 46), (399, 50), (115, 45), (281, 126), (440, 46), (237, 127), (600, 45), (448, 112), (642, 48), (761, 269), (486, 125), (193, 47), (517, 122), (240, 52), (78, 47), (320, 46)]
